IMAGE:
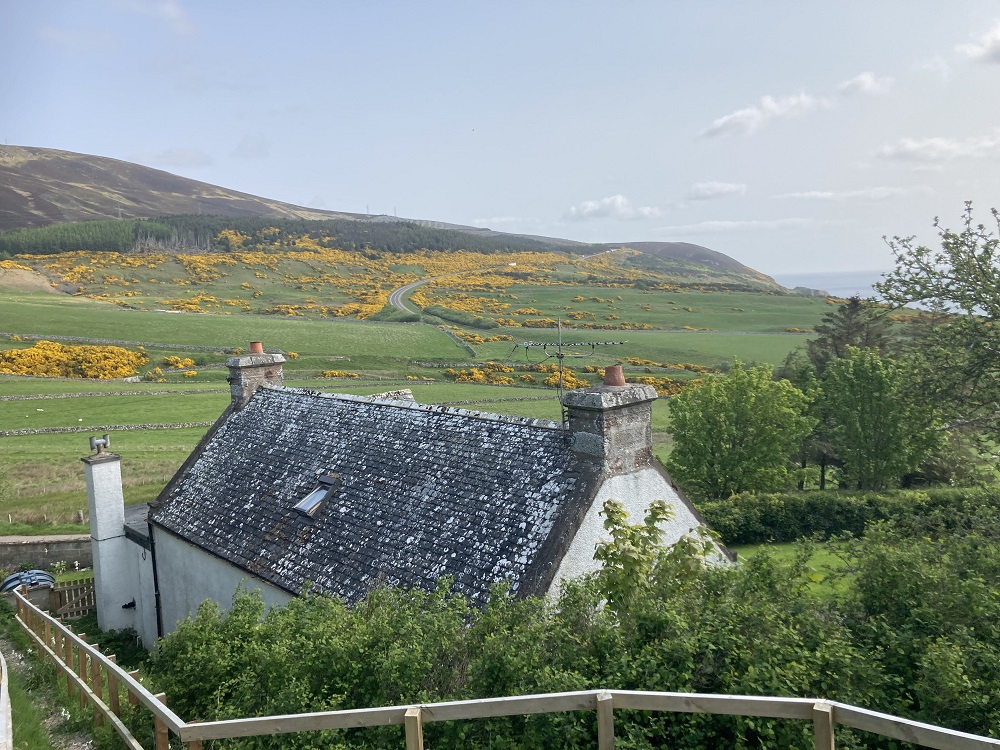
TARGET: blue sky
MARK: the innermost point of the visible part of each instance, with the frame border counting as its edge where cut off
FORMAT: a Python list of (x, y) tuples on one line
[(789, 135)]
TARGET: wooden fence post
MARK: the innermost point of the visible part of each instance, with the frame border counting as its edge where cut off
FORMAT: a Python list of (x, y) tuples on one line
[(605, 722), (162, 731), (98, 688), (822, 713), (414, 729), (113, 700), (69, 661), (133, 700), (82, 669)]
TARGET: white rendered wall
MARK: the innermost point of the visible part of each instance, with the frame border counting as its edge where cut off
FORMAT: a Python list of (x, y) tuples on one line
[(145, 595), (636, 490), (188, 576)]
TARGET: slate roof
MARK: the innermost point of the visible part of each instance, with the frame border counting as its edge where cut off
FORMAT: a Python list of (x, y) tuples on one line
[(424, 491)]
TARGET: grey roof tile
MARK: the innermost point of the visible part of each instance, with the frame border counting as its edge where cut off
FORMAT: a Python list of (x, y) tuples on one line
[(424, 491)]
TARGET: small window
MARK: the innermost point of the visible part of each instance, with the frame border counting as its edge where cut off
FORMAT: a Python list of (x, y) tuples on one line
[(327, 485)]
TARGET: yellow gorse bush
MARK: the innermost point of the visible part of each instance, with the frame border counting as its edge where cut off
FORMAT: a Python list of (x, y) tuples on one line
[(51, 359)]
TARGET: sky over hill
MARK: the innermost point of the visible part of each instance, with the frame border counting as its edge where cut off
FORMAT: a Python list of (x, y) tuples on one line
[(790, 136)]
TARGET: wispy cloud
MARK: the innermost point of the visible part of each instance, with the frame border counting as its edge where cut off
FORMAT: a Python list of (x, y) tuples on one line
[(169, 12), (252, 147), (986, 48), (175, 157), (719, 227), (611, 207), (706, 191), (866, 83), (750, 119), (930, 151), (864, 194)]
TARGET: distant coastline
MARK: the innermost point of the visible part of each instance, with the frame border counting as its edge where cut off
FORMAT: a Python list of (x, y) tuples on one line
[(837, 283)]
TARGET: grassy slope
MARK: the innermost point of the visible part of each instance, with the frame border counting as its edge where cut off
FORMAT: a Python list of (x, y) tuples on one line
[(49, 482)]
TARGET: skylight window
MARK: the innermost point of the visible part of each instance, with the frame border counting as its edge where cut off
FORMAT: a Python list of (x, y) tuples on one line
[(327, 485)]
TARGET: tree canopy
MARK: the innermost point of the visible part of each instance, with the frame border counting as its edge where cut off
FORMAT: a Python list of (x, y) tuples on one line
[(736, 432)]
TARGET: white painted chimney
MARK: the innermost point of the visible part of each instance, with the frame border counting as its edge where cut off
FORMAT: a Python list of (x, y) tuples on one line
[(113, 574)]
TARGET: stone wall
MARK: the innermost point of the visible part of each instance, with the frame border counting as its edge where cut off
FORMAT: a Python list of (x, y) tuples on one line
[(42, 551)]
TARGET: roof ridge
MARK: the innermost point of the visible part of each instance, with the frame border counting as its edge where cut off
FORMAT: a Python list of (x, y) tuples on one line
[(413, 405)]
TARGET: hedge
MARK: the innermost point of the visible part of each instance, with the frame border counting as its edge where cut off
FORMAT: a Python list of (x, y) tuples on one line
[(784, 517)]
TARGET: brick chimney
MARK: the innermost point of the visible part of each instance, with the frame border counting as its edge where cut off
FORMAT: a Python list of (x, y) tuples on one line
[(611, 424), (249, 372)]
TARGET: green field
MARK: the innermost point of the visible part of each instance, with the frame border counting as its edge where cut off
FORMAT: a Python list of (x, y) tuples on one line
[(44, 469), (721, 311)]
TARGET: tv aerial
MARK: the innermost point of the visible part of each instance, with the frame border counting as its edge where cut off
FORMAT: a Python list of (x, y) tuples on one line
[(550, 350)]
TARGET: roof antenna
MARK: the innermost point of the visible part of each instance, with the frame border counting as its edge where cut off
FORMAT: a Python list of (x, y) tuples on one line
[(559, 355)]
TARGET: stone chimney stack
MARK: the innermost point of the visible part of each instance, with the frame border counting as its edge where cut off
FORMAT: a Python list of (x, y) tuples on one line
[(106, 504), (612, 424), (249, 372)]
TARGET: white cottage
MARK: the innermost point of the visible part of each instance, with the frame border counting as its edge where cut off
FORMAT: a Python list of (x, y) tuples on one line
[(293, 488)]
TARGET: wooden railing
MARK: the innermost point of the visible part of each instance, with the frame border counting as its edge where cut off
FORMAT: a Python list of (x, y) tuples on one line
[(70, 600), (87, 669)]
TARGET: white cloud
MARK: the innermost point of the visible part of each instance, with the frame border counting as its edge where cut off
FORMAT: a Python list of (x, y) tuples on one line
[(939, 150), (866, 83), (175, 157), (706, 191), (611, 207), (747, 120), (718, 227), (316, 201), (169, 12), (867, 194), (986, 48), (252, 147)]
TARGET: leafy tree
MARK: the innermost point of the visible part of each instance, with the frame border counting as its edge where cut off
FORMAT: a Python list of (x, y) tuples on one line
[(856, 322), (735, 433), (880, 430), (959, 341)]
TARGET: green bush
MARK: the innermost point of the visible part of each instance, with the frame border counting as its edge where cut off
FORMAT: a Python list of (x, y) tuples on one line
[(784, 517)]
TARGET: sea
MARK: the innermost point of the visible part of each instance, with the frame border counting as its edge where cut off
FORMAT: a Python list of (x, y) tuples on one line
[(841, 284)]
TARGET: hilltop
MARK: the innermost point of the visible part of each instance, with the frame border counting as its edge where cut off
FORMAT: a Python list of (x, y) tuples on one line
[(41, 187)]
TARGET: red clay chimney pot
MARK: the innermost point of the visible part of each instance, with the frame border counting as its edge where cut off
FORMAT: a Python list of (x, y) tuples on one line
[(613, 375), (256, 347)]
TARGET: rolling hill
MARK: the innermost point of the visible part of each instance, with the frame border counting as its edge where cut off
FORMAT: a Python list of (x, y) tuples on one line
[(42, 186)]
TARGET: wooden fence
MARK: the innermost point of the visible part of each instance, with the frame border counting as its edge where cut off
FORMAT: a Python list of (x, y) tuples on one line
[(87, 670), (70, 600)]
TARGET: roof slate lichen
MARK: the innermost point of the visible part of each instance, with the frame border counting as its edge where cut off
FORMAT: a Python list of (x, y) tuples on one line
[(424, 491)]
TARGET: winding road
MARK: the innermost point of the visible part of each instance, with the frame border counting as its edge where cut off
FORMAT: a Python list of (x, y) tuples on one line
[(396, 297)]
